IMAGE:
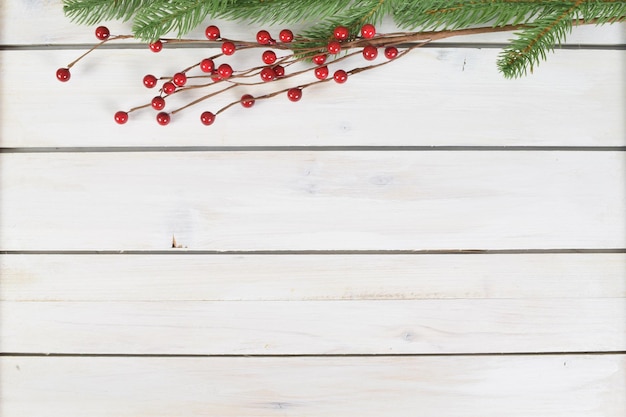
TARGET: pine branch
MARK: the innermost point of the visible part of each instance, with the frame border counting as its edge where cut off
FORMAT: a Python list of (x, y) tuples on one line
[(547, 22), (354, 16), (542, 34), (282, 11), (533, 43), (456, 14), (91, 12), (163, 16), (602, 11)]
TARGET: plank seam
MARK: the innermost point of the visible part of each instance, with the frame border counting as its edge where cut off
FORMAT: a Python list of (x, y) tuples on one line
[(400, 148), (213, 45), (304, 355), (174, 251)]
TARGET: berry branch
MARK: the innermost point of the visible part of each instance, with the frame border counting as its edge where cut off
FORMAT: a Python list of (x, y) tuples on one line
[(300, 50)]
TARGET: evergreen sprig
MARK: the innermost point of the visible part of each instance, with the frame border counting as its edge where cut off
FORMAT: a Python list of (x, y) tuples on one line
[(546, 23), (164, 16), (282, 11), (353, 15), (532, 44), (91, 12)]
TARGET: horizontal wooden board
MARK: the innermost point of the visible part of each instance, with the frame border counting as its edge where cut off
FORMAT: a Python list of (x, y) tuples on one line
[(315, 327), (313, 200), (309, 277), (492, 386), (47, 25), (431, 97)]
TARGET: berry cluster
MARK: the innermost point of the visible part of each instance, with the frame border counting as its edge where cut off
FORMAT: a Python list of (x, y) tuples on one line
[(276, 60)]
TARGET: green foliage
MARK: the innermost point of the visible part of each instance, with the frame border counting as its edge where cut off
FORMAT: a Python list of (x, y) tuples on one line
[(164, 16), (532, 44), (352, 15), (546, 22), (282, 11), (91, 12), (551, 28)]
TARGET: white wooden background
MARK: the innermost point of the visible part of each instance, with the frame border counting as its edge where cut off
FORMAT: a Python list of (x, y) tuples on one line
[(428, 239)]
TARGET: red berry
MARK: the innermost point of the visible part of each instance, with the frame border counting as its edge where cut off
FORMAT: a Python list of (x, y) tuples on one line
[(102, 33), (370, 52), (247, 100), (225, 71), (163, 118), (149, 81), (263, 37), (207, 118), (216, 76), (207, 65), (340, 76), (212, 32), (63, 74), (368, 31), (269, 57), (391, 52), (286, 36), (319, 59), (321, 73), (333, 47), (341, 33), (156, 46), (179, 79), (294, 94), (228, 48), (158, 103), (267, 74), (169, 87), (279, 70), (121, 117)]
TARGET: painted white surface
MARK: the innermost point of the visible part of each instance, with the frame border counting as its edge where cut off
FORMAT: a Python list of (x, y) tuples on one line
[(165, 300), (451, 97), (313, 200), (315, 327), (490, 386), (184, 277)]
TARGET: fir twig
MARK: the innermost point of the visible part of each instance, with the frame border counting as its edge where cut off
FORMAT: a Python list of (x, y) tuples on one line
[(164, 16), (547, 22), (91, 12), (533, 43)]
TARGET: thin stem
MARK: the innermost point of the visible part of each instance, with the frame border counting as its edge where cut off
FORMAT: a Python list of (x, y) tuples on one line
[(96, 46), (139, 108), (203, 98)]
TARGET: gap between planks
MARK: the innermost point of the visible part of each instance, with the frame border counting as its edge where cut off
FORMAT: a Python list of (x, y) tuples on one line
[(181, 149), (306, 355), (176, 251), (217, 45)]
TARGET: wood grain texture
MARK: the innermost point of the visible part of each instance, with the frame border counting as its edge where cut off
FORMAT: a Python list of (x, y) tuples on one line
[(315, 327), (549, 386), (367, 324), (451, 96), (310, 277), (313, 200)]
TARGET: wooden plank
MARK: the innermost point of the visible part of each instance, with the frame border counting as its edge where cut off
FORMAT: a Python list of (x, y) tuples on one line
[(453, 97), (313, 200), (315, 327), (492, 386), (47, 25), (310, 277)]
